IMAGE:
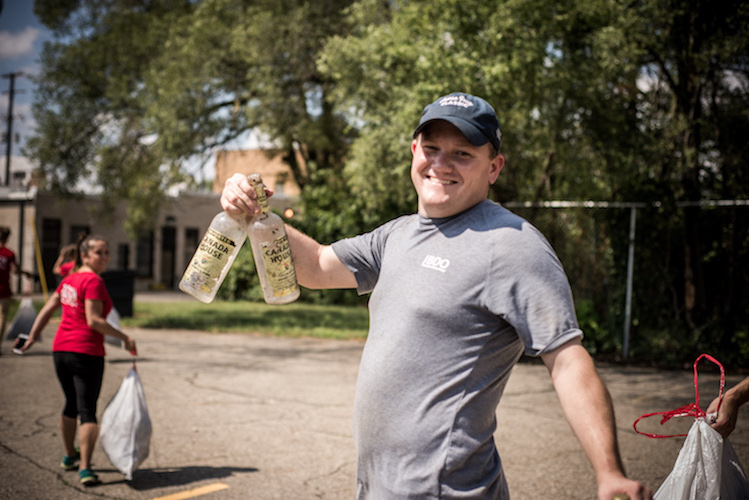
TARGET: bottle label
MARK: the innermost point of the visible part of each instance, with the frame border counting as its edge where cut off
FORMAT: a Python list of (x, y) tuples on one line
[(279, 268), (262, 197), (210, 259)]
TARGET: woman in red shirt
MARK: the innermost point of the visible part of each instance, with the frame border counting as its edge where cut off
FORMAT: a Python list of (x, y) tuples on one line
[(78, 349)]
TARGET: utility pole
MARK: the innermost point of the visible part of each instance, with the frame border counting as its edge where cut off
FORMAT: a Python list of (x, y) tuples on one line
[(9, 135), (8, 150)]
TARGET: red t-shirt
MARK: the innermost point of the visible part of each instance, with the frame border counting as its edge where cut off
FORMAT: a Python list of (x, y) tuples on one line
[(66, 268), (7, 258), (74, 334)]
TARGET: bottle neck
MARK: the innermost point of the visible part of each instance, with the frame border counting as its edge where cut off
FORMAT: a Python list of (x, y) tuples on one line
[(262, 198)]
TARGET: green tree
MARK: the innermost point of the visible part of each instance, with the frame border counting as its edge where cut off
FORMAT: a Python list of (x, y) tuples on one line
[(89, 103), (603, 100), (546, 66), (234, 66), (694, 62), (131, 90)]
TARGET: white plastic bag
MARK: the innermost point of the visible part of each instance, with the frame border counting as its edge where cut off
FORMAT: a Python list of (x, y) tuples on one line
[(734, 484), (23, 320), (113, 318), (707, 468), (125, 432)]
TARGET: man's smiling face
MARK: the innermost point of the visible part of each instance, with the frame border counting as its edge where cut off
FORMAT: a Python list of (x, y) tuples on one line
[(449, 173)]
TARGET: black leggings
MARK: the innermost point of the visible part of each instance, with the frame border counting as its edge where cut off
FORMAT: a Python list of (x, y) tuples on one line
[(80, 376)]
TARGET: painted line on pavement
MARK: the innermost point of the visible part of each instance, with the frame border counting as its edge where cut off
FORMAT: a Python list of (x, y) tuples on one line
[(196, 492)]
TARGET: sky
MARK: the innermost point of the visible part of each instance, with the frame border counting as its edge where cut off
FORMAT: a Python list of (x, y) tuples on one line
[(21, 39)]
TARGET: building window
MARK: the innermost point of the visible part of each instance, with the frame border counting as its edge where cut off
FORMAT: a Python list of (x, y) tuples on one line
[(192, 238), (18, 180), (144, 256)]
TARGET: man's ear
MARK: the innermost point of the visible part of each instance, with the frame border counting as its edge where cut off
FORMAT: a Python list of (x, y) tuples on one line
[(496, 166)]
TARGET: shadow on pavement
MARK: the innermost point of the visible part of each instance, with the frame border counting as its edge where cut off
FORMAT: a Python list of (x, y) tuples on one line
[(148, 479), (124, 361)]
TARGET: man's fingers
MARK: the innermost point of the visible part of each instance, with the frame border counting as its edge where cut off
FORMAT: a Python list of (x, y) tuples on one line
[(238, 196)]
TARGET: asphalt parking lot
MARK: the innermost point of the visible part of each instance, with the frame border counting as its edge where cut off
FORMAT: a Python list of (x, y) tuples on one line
[(242, 416)]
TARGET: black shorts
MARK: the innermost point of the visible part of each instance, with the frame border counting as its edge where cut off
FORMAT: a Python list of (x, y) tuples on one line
[(80, 376)]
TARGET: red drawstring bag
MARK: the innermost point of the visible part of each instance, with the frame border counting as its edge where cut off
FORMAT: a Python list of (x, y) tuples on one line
[(707, 467)]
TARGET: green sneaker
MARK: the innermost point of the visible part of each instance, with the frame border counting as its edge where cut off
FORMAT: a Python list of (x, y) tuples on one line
[(70, 463), (88, 478)]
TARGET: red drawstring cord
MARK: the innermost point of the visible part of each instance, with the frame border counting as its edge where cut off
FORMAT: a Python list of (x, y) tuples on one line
[(690, 410)]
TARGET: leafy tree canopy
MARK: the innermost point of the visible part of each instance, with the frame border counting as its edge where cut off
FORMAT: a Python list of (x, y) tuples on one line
[(602, 99), (132, 89)]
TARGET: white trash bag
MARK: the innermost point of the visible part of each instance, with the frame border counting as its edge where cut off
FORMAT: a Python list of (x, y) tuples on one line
[(23, 320), (707, 468), (113, 318), (734, 484), (125, 431)]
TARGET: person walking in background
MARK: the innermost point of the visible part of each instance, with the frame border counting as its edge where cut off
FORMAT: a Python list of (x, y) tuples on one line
[(78, 350), (7, 266), (65, 261), (459, 291), (728, 414)]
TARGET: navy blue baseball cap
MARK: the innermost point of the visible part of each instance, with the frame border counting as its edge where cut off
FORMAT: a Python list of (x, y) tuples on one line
[(472, 115)]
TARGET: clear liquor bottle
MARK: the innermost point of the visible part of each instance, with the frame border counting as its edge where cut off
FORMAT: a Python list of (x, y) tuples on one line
[(270, 247), (214, 256)]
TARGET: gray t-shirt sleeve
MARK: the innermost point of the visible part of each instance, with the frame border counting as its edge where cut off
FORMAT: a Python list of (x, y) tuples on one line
[(362, 255), (529, 289)]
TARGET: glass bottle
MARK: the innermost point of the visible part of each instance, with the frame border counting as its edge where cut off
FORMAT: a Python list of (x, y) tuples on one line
[(270, 247), (214, 256)]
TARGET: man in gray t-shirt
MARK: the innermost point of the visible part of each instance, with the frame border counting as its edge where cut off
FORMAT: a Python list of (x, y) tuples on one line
[(429, 382), (458, 292)]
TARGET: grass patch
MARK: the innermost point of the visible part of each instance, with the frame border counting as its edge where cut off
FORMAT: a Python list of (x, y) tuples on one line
[(292, 320)]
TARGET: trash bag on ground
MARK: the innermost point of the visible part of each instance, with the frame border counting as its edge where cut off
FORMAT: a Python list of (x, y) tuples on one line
[(125, 430), (23, 320), (707, 467)]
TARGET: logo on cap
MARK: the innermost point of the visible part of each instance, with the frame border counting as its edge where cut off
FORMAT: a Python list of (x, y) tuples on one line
[(473, 116), (456, 100)]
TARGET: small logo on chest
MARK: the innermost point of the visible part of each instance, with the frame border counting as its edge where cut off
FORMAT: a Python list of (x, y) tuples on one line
[(436, 263)]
